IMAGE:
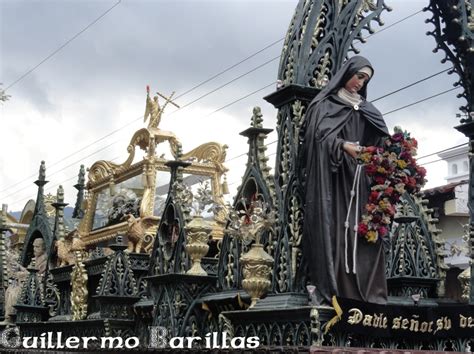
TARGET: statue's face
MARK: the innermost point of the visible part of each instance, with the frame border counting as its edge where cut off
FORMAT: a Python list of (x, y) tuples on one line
[(356, 82), (38, 247)]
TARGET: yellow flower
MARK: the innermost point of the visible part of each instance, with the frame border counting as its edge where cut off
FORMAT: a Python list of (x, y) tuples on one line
[(371, 236), (384, 204), (365, 157), (381, 170), (402, 164)]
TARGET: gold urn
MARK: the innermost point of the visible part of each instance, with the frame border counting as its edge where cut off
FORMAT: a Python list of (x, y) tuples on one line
[(257, 267), (197, 237)]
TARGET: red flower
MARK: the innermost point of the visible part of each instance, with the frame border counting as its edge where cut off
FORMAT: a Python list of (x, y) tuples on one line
[(421, 171), (376, 218), (388, 191), (374, 196), (395, 198), (370, 207), (362, 229), (385, 164), (397, 137), (394, 170), (371, 149), (405, 155), (370, 169), (379, 180), (411, 182), (383, 231), (376, 159)]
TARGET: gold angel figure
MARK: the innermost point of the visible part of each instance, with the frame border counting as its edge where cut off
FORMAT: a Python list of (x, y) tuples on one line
[(153, 109)]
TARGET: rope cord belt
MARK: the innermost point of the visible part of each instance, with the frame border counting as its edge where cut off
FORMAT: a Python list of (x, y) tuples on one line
[(354, 193)]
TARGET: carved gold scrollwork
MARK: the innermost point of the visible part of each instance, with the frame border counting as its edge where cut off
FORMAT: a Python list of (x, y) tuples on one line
[(322, 72), (213, 152), (256, 269), (296, 233), (49, 200), (144, 139), (470, 18), (298, 116), (315, 327), (225, 325), (366, 6), (342, 3), (318, 32), (102, 169), (289, 71), (305, 23), (79, 293)]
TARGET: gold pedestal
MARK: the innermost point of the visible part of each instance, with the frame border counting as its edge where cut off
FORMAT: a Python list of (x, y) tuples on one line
[(198, 233), (257, 268)]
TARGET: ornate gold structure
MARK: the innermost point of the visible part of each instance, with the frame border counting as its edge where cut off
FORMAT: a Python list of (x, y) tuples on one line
[(17, 227), (65, 254), (153, 109), (49, 200), (256, 268), (198, 234), (138, 238), (248, 225), (106, 179), (79, 292)]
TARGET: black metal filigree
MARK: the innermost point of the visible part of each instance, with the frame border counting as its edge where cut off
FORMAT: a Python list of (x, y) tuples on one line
[(39, 226), (168, 255), (118, 278), (78, 212), (413, 264), (320, 35), (453, 23), (256, 182)]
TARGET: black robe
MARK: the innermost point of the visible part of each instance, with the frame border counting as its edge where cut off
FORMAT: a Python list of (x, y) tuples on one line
[(330, 121)]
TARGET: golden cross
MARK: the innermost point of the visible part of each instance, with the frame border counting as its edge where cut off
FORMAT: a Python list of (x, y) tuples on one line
[(168, 99)]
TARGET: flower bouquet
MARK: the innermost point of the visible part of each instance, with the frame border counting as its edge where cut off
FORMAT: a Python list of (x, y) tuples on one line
[(393, 170)]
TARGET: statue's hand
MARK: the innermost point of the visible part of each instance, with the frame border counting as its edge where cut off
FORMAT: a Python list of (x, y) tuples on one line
[(352, 149)]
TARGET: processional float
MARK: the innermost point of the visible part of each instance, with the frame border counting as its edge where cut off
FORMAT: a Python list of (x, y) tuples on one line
[(146, 253)]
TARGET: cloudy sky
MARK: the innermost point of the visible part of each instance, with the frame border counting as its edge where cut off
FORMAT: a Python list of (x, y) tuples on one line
[(95, 85)]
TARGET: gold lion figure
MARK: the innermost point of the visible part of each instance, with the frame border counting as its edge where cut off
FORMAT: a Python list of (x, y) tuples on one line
[(66, 247), (136, 233)]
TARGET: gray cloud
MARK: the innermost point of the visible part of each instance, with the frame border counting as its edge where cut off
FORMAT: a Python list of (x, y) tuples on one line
[(99, 79)]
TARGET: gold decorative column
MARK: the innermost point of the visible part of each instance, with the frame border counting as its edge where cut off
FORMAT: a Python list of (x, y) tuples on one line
[(79, 278)]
